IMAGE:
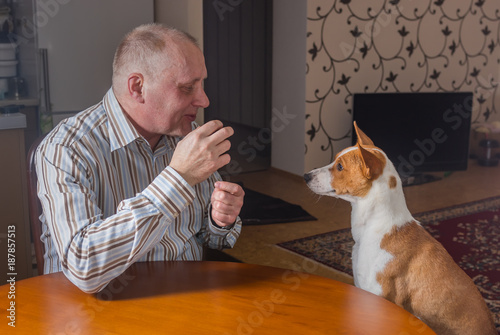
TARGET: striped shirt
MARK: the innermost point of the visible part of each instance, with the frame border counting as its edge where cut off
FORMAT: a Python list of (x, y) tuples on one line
[(109, 200)]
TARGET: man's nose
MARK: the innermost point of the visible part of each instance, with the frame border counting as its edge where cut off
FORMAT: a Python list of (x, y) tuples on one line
[(201, 99)]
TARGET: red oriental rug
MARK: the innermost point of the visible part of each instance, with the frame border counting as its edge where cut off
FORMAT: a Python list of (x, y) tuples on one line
[(470, 233)]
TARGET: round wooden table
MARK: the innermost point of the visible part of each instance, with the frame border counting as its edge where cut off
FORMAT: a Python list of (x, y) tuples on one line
[(202, 298)]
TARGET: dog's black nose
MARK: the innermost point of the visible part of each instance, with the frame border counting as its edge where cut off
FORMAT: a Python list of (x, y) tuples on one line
[(307, 177)]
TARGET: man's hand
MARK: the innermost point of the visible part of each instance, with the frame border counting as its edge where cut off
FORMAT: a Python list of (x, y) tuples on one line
[(227, 200), (202, 152)]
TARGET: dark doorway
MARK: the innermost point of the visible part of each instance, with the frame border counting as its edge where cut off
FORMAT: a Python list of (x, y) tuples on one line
[(237, 46)]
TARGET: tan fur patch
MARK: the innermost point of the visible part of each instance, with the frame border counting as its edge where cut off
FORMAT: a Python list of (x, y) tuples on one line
[(423, 275), (393, 182), (350, 179)]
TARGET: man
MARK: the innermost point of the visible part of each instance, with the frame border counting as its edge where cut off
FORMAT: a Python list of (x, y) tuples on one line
[(129, 179)]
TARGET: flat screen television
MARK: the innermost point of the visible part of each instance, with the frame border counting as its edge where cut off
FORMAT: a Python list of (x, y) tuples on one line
[(419, 132)]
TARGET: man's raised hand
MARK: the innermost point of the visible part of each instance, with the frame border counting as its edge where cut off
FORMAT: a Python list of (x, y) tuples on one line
[(202, 152)]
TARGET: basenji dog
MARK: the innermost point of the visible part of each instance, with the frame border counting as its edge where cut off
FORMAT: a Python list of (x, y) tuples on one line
[(393, 255)]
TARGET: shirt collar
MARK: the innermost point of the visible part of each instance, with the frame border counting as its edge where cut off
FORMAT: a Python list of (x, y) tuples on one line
[(121, 131)]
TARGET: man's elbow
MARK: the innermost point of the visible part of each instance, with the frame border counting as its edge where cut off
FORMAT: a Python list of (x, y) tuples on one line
[(85, 284)]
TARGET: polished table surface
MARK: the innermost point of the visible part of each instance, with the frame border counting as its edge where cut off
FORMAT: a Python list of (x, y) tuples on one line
[(202, 298)]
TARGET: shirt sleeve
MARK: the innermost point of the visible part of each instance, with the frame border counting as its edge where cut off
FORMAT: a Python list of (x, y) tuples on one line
[(93, 250)]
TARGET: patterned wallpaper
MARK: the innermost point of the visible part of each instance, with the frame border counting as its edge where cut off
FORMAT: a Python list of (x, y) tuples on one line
[(395, 46)]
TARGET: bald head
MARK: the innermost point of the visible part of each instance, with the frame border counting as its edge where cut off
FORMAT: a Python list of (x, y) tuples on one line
[(149, 49)]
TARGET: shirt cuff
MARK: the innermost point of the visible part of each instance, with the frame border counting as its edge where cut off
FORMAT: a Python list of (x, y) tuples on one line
[(214, 228), (170, 193)]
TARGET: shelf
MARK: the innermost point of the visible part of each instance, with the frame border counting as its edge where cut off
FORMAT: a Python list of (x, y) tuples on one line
[(28, 102)]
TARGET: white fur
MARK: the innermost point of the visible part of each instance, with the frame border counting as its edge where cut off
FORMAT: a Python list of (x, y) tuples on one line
[(371, 219)]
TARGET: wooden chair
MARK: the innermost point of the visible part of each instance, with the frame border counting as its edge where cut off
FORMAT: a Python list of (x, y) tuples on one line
[(35, 208)]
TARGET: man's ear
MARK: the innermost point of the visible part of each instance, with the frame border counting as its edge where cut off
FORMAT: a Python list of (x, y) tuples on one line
[(372, 165), (136, 87)]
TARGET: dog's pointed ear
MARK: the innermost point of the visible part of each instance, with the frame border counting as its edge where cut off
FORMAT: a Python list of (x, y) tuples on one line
[(372, 165), (362, 138)]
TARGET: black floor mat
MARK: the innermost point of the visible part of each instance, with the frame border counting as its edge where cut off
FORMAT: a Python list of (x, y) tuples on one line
[(259, 209)]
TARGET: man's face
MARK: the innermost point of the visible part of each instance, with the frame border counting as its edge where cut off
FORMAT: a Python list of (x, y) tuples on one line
[(173, 101)]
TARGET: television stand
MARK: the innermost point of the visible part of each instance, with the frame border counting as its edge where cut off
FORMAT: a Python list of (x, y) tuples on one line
[(419, 179)]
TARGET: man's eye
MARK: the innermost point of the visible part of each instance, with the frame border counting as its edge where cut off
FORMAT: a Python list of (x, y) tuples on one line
[(188, 88), (340, 167)]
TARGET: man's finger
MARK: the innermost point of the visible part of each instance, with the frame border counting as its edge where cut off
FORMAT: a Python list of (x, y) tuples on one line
[(221, 134), (223, 147), (223, 160), (210, 127), (229, 187)]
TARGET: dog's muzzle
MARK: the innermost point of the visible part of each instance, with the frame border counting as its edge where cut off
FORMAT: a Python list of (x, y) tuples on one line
[(318, 180)]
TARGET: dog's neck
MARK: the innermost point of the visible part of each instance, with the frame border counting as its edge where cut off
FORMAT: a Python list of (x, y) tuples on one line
[(381, 209)]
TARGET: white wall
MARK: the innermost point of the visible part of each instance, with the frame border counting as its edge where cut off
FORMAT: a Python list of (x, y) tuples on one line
[(289, 85), (186, 15)]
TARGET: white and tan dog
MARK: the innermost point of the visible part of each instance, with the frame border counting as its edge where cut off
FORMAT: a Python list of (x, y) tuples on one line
[(393, 255)]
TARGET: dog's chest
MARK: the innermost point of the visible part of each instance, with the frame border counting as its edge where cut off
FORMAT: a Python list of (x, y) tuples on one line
[(368, 258)]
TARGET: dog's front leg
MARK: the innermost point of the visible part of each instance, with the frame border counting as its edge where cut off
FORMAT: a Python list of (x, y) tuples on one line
[(355, 253)]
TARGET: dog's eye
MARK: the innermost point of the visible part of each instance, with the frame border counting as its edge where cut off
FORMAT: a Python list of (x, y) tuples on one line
[(340, 167)]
